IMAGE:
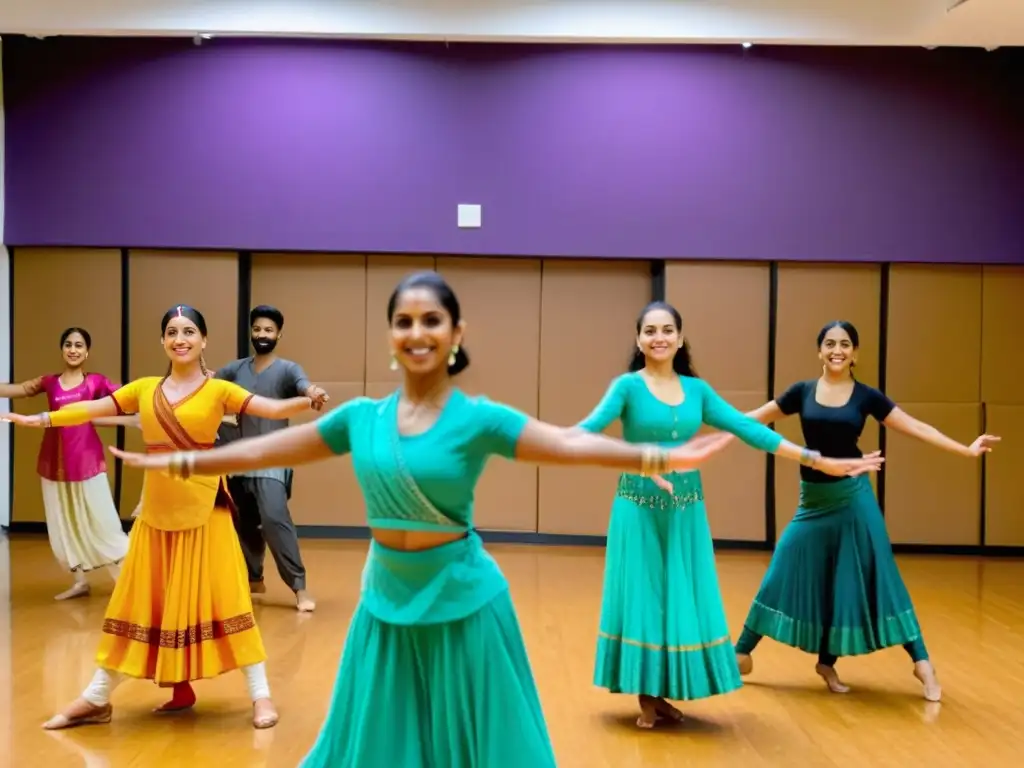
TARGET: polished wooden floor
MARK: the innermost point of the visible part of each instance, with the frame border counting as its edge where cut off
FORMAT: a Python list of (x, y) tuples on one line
[(972, 610)]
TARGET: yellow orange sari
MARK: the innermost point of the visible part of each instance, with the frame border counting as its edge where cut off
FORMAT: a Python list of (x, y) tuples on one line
[(181, 609)]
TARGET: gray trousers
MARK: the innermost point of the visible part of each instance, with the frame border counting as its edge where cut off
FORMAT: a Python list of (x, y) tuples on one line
[(264, 520)]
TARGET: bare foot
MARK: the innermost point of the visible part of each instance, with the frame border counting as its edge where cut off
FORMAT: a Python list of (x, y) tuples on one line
[(257, 587), (264, 714), (745, 662), (828, 674), (78, 590), (667, 710), (304, 602), (648, 712), (925, 672), (183, 697), (80, 712)]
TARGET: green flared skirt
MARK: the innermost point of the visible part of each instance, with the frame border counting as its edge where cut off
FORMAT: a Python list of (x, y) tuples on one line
[(832, 584), (423, 693), (663, 629)]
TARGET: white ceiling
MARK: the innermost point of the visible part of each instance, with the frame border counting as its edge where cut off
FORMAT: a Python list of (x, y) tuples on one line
[(976, 23)]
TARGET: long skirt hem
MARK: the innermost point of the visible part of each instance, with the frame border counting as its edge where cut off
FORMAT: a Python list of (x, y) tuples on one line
[(83, 525), (663, 629), (458, 693), (181, 609), (833, 584)]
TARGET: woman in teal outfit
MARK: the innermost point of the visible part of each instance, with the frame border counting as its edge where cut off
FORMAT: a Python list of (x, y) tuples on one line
[(434, 671), (832, 587), (663, 632)]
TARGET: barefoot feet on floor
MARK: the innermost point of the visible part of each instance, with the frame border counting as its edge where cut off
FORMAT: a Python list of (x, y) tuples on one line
[(182, 697), (78, 590), (79, 712), (264, 714), (648, 712), (667, 711), (828, 674), (925, 672), (745, 662), (304, 601)]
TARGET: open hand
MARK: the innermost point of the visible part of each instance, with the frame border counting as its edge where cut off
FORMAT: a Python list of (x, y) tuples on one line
[(983, 444), (142, 460), (21, 420), (871, 462), (318, 397)]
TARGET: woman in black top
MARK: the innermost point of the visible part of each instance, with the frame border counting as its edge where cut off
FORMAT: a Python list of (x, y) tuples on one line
[(832, 586)]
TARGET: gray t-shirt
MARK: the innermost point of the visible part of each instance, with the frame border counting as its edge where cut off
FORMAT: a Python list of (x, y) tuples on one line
[(280, 380)]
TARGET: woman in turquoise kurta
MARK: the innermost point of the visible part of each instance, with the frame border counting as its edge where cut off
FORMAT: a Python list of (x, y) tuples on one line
[(434, 671), (663, 631)]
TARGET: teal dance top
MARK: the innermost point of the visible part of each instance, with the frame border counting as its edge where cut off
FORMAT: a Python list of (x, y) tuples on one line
[(646, 419), (423, 482)]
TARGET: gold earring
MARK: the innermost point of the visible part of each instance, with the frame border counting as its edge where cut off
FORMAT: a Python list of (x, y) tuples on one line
[(451, 355), (394, 363)]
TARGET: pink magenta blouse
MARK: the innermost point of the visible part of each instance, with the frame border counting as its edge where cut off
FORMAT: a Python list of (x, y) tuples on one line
[(73, 454)]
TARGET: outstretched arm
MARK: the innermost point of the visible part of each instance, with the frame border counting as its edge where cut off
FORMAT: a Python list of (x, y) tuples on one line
[(902, 421), (768, 413), (69, 416), (718, 413), (611, 407), (119, 421), (29, 388), (270, 408)]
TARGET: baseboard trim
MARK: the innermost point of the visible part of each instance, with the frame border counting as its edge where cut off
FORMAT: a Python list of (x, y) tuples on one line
[(362, 533)]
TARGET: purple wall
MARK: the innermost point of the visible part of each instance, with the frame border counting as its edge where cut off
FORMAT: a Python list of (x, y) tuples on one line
[(785, 153)]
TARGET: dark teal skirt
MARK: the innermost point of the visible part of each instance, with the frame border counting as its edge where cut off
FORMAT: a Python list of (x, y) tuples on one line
[(832, 584), (418, 692), (663, 628)]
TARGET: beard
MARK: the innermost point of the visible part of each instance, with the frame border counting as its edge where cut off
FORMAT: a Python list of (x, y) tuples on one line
[(264, 346)]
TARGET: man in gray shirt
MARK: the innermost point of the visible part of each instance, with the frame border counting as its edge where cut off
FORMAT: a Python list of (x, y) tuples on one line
[(261, 496)]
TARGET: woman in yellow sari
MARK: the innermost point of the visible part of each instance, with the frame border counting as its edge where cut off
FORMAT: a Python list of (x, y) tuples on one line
[(181, 610)]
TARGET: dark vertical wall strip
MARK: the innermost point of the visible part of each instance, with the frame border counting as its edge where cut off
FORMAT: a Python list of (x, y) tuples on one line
[(658, 280), (10, 377), (773, 326), (244, 301), (883, 366), (984, 463), (125, 366)]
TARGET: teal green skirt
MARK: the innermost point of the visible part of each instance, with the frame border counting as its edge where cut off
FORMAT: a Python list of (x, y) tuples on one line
[(423, 693), (663, 629), (832, 584)]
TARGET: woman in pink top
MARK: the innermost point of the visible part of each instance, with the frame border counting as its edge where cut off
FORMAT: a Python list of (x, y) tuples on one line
[(82, 522)]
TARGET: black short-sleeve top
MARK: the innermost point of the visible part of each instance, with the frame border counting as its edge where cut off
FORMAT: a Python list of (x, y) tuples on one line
[(835, 431)]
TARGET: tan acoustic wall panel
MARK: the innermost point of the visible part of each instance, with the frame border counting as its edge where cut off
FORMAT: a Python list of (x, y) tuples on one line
[(1002, 319), (935, 340), (810, 296), (587, 333), (1004, 492), (323, 300), (725, 310), (159, 280), (931, 496), (54, 289), (500, 302)]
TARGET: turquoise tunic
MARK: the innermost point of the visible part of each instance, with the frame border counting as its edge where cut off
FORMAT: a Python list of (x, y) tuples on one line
[(434, 670), (663, 630)]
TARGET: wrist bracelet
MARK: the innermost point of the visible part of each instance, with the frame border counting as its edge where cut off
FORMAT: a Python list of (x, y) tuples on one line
[(46, 419), (653, 460), (808, 457), (182, 465)]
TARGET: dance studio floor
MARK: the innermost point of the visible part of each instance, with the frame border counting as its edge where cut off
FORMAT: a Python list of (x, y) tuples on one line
[(972, 611)]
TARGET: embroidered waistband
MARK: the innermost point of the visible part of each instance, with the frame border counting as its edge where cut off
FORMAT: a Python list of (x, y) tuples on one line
[(642, 491)]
